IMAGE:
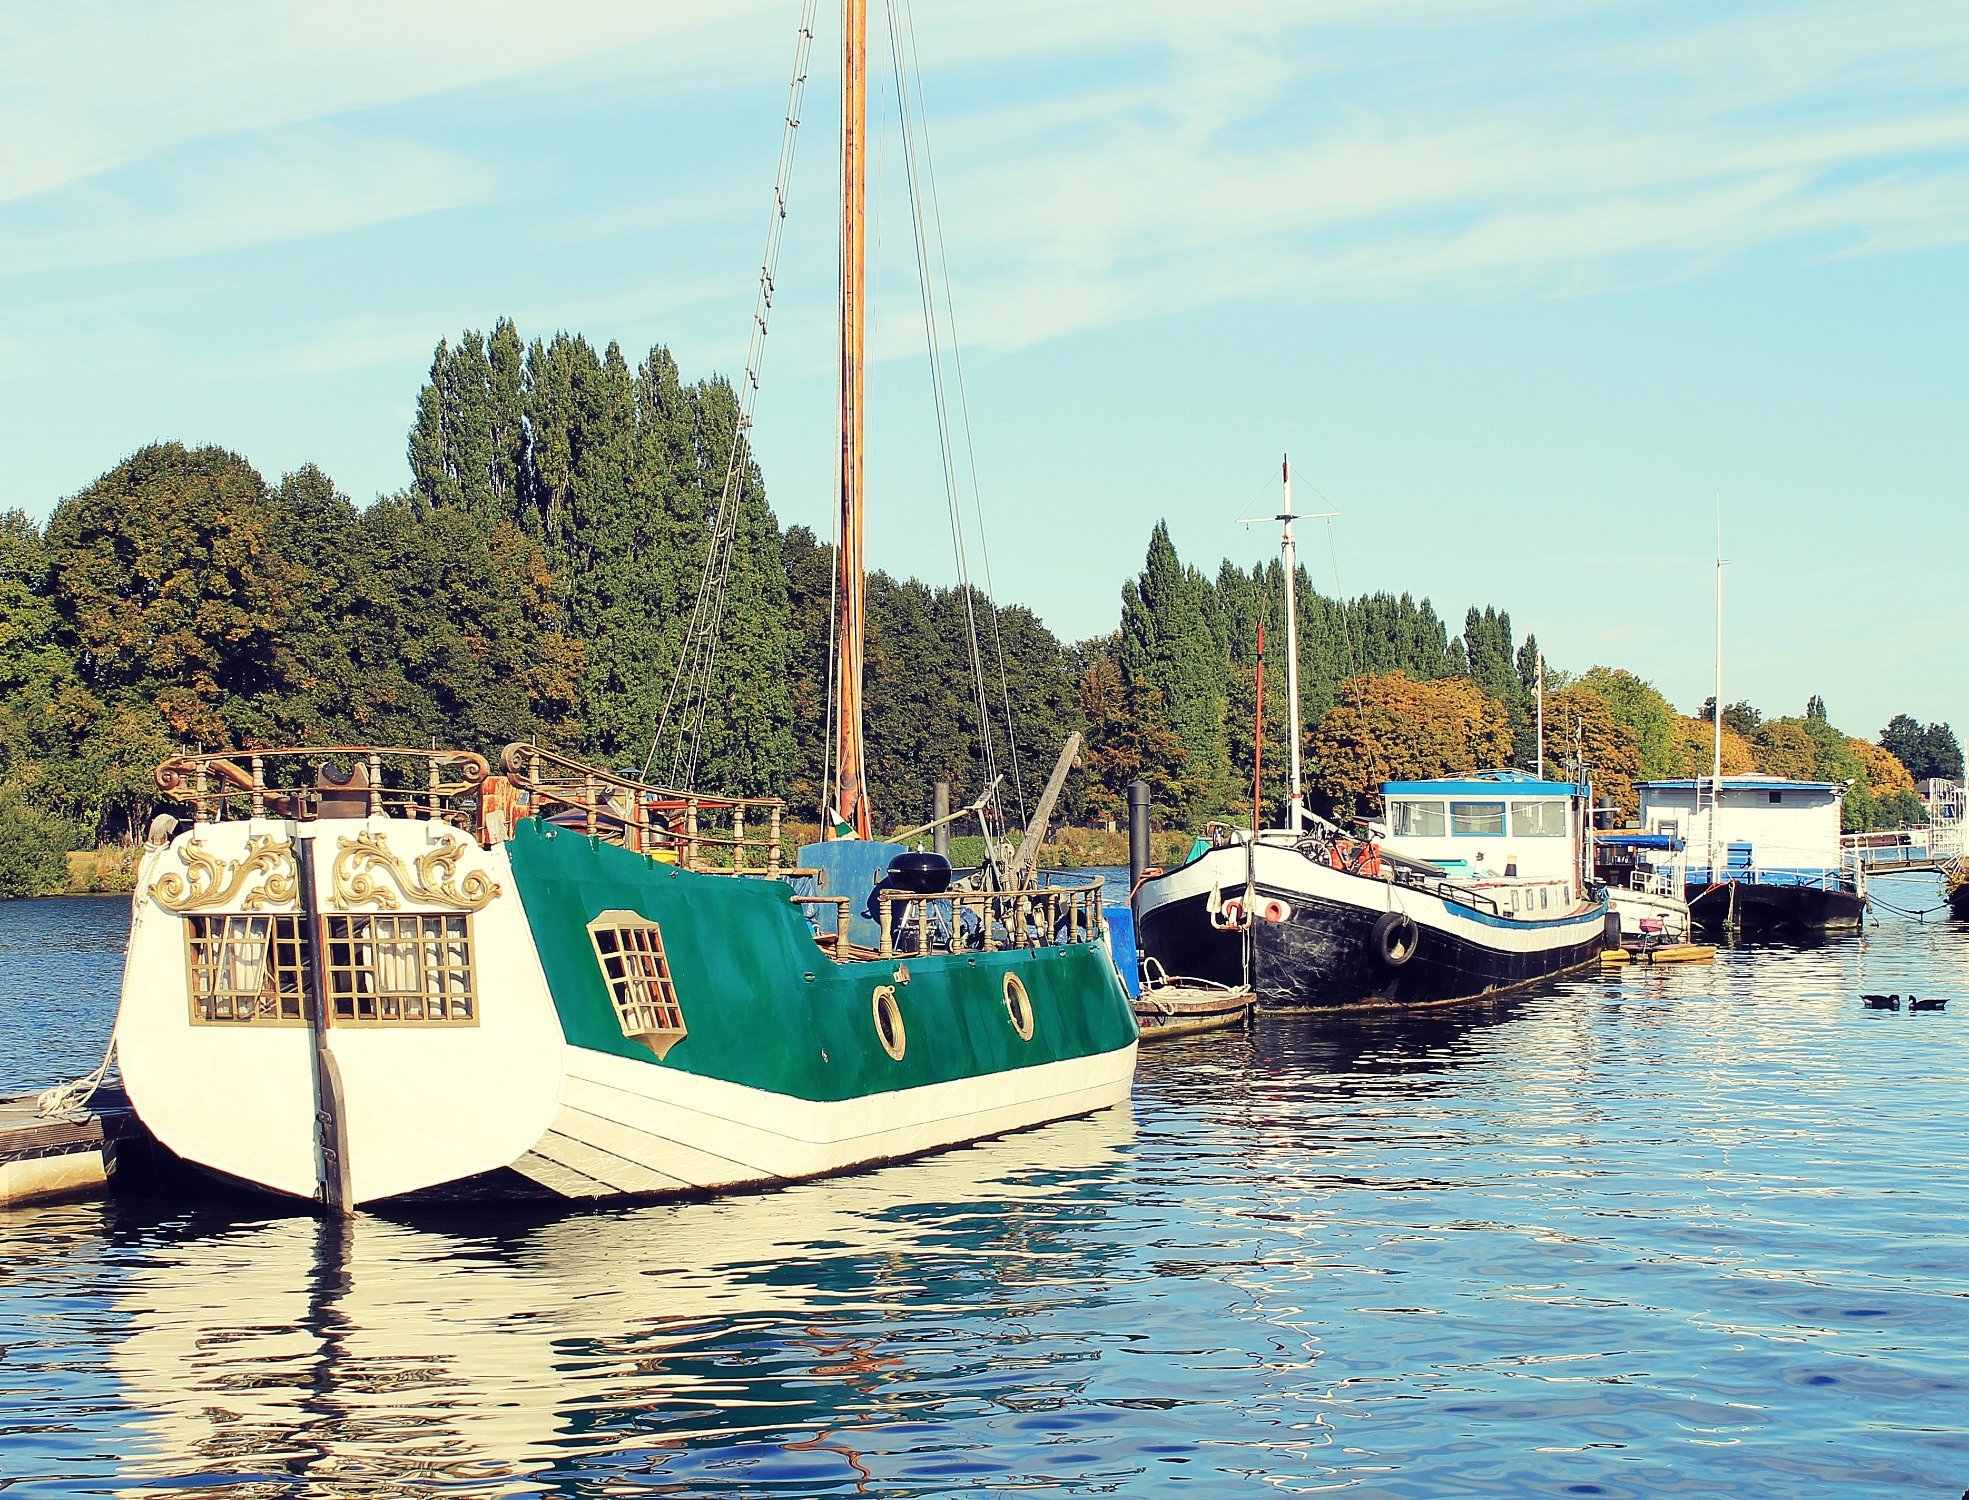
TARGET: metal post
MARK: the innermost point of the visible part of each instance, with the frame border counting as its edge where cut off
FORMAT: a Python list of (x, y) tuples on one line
[(940, 814), (1138, 831), (332, 1186)]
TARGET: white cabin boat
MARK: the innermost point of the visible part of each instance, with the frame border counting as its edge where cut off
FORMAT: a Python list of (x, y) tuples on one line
[(1761, 853)]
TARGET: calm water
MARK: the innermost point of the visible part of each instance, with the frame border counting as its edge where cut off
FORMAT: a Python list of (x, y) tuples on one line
[(1694, 1231)]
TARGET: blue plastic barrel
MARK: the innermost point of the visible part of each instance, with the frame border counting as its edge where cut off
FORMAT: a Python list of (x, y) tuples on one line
[(1121, 931)]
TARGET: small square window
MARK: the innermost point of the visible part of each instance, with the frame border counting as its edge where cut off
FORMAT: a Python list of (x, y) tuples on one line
[(629, 949), (1777, 796)]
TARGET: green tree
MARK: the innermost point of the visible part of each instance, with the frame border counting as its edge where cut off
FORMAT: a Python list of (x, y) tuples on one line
[(748, 729), (1129, 738), (1927, 750), (453, 632), (1740, 716), (175, 587), (1647, 715), (33, 846), (1169, 645)]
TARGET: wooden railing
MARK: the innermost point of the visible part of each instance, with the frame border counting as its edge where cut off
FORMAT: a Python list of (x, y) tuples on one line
[(305, 782), (711, 835), (953, 921), (835, 942)]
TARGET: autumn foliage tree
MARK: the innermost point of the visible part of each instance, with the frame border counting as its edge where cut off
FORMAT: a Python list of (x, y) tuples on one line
[(1692, 749), (1580, 726), (1393, 727), (1129, 738)]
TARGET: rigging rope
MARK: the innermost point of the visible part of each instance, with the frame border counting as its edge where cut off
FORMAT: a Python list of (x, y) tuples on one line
[(690, 686), (964, 415), (904, 69)]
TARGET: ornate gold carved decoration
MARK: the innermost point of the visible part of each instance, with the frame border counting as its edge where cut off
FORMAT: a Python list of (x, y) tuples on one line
[(209, 880), (366, 868)]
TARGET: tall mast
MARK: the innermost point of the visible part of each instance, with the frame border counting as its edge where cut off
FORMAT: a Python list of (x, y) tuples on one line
[(1716, 728), (852, 802), (1289, 559), (1295, 807)]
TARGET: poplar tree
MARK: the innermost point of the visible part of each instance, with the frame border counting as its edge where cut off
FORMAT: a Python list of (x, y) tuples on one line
[(1169, 644), (748, 744)]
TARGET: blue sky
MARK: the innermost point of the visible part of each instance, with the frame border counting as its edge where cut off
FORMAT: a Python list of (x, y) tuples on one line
[(1526, 290)]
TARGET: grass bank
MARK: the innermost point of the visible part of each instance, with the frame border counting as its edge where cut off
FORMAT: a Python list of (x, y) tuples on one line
[(102, 871)]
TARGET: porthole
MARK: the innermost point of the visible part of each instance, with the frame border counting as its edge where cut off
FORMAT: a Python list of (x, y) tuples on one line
[(1018, 1005), (888, 1022)]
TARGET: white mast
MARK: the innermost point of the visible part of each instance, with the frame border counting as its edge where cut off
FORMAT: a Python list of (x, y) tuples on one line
[(1295, 808), (1295, 805), (1716, 732)]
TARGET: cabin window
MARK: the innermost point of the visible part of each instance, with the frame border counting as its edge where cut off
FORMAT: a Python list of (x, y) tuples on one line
[(1476, 819), (246, 968), (400, 969), (1543, 819), (1420, 820), (629, 948), (1777, 796)]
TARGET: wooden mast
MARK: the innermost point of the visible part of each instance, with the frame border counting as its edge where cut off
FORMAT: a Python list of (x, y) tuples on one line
[(851, 804)]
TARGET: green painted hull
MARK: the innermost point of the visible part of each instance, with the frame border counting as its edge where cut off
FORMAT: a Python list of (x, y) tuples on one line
[(765, 1008)]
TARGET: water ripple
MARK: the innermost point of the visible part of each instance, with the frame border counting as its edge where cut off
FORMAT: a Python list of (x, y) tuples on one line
[(1657, 1233)]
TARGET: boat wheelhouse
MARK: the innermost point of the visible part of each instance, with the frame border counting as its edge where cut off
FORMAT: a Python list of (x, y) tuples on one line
[(1643, 880), (1505, 835), (1762, 853)]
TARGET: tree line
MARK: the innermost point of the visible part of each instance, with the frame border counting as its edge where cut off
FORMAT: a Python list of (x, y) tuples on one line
[(538, 576)]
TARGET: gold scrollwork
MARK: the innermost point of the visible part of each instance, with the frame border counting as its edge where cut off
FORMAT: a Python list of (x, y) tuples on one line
[(209, 880), (430, 878)]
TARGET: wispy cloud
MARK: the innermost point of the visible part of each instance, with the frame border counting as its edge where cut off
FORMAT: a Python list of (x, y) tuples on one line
[(96, 84), (270, 188), (1578, 163)]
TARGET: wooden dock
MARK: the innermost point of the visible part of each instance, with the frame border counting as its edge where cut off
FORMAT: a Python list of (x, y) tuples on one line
[(1659, 953), (70, 1154)]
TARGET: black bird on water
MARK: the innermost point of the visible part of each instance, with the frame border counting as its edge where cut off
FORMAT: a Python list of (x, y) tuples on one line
[(1933, 1002), (1881, 1002)]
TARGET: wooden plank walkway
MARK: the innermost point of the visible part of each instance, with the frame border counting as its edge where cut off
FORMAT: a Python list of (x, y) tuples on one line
[(67, 1155)]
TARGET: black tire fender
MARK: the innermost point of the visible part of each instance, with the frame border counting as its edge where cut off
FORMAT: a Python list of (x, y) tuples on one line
[(1395, 938), (1610, 929)]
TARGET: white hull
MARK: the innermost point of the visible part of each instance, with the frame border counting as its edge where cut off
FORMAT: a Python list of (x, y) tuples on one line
[(1638, 906), (614, 1134)]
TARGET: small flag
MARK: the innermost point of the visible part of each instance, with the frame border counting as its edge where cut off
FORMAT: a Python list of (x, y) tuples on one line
[(841, 828)]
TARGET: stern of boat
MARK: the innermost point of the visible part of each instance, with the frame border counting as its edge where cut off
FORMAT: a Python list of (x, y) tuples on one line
[(341, 1010)]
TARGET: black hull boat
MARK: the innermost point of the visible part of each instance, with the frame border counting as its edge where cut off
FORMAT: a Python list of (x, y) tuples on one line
[(1321, 938), (1754, 907)]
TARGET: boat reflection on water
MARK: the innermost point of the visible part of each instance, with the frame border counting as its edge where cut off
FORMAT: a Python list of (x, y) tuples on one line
[(1384, 1048), (378, 1356)]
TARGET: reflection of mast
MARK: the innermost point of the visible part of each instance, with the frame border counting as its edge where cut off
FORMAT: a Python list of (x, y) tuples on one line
[(851, 803)]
